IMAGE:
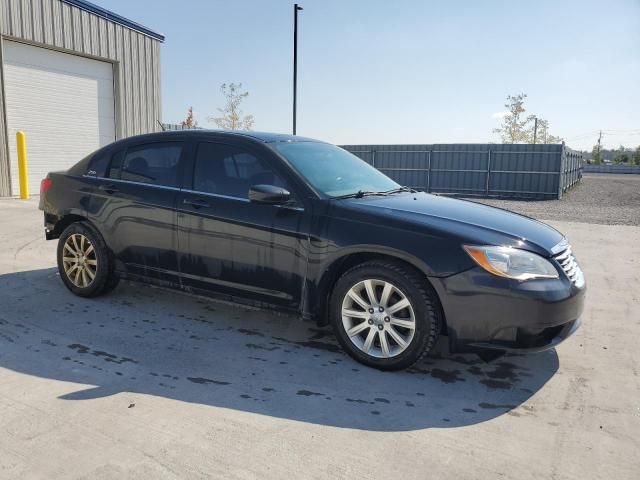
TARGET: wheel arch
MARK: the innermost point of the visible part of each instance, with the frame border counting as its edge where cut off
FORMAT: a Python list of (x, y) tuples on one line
[(104, 278), (69, 219), (342, 264), (63, 223)]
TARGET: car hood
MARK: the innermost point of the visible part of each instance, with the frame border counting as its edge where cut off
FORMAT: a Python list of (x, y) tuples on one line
[(471, 222)]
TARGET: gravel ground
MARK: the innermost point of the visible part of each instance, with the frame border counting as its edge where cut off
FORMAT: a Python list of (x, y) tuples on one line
[(599, 198)]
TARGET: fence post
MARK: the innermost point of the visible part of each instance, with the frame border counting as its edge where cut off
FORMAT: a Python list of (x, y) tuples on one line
[(561, 172), (21, 143), (373, 158), (429, 172), (488, 170)]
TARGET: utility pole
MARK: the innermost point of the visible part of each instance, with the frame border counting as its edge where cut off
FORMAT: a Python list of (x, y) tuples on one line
[(535, 129), (296, 8), (599, 138)]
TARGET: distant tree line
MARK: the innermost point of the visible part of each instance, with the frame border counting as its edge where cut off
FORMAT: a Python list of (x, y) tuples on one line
[(619, 155)]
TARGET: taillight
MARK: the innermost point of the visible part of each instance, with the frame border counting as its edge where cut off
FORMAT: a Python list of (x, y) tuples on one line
[(45, 185)]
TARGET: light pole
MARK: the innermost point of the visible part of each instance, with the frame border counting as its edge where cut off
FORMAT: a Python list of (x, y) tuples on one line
[(296, 8)]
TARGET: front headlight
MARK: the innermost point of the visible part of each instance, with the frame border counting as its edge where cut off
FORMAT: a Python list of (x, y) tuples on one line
[(511, 263)]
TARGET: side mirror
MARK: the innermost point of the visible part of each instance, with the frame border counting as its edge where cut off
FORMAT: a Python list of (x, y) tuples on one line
[(269, 194)]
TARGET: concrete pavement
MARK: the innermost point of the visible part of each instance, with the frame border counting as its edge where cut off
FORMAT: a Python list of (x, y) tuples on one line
[(145, 383)]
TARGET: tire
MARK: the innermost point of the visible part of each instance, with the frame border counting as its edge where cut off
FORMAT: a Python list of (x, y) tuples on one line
[(409, 332), (111, 284), (85, 262)]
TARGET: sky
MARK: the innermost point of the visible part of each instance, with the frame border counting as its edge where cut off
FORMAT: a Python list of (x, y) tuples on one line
[(404, 71)]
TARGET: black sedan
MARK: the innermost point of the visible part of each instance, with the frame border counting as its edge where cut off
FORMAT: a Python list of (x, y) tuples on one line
[(303, 226)]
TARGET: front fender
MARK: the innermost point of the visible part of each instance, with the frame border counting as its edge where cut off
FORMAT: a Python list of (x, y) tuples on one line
[(374, 250)]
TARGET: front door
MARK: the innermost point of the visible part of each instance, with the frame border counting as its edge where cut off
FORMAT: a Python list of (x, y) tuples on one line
[(232, 245)]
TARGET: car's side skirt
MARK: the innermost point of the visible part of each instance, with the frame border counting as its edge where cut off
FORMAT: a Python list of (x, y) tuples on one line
[(210, 294)]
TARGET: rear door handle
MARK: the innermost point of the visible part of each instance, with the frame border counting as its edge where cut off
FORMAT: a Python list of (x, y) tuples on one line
[(109, 188), (196, 202)]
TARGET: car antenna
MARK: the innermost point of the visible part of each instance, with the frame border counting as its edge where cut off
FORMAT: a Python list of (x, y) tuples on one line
[(164, 129)]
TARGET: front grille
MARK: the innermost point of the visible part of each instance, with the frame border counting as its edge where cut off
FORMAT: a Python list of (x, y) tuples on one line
[(569, 265)]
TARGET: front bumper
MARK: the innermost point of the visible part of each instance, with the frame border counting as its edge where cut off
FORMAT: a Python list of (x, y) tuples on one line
[(483, 311)]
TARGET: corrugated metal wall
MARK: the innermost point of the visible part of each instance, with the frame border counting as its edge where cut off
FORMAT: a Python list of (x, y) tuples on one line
[(68, 28), (487, 170), (571, 169), (5, 177), (176, 126)]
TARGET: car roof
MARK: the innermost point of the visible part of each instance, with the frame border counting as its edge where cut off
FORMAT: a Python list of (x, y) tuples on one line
[(264, 137)]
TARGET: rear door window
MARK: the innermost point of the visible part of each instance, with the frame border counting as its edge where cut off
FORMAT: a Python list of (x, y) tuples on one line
[(153, 163)]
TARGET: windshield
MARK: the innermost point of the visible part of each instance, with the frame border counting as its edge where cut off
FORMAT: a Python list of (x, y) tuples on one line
[(332, 170)]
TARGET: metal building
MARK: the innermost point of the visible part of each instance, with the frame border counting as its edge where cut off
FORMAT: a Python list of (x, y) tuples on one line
[(73, 77)]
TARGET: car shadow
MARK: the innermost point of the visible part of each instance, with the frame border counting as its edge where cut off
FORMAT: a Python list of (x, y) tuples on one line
[(158, 342)]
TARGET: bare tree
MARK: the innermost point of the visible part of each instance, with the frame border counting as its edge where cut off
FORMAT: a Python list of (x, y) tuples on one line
[(516, 128), (543, 135), (190, 121), (514, 124), (232, 116)]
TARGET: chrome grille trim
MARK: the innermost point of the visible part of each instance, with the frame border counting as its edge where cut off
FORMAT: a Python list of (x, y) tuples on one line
[(560, 247), (567, 262)]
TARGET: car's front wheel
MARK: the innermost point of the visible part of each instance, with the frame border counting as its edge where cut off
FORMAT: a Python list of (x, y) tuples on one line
[(385, 315), (84, 261)]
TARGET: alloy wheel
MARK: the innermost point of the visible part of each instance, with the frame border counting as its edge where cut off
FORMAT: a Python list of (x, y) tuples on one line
[(79, 260), (378, 318)]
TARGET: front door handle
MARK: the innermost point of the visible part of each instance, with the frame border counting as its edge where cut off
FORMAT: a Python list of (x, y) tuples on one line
[(196, 202), (109, 188)]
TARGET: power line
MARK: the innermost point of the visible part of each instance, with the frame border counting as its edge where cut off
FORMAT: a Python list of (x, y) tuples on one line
[(622, 130), (621, 133), (583, 135), (602, 133)]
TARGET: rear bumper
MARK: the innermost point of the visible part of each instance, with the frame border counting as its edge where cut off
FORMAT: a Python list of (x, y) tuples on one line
[(50, 222), (483, 312)]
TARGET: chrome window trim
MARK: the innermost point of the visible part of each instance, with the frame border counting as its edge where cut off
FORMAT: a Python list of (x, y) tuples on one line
[(245, 200), (216, 195), (195, 192), (290, 207), (131, 182)]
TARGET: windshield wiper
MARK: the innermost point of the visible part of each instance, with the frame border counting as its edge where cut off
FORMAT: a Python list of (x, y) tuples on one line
[(398, 190), (358, 194), (366, 193)]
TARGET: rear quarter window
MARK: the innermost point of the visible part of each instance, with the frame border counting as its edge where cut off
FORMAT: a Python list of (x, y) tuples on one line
[(83, 166), (115, 164), (98, 165)]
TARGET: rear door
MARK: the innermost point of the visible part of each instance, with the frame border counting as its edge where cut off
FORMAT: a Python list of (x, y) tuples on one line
[(231, 245), (133, 205)]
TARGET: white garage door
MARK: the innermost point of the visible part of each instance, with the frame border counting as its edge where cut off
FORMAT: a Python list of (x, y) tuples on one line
[(64, 104)]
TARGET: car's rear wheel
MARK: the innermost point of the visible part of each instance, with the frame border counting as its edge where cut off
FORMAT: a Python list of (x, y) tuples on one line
[(84, 261), (385, 315)]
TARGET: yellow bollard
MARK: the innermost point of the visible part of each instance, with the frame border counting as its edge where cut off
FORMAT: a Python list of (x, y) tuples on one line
[(21, 141)]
